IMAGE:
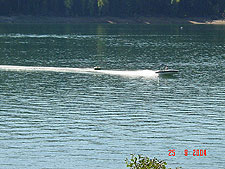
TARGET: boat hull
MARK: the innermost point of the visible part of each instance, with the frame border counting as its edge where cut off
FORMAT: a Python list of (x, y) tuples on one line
[(167, 72)]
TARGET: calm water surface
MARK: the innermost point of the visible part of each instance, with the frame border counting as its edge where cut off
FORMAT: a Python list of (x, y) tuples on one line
[(85, 119)]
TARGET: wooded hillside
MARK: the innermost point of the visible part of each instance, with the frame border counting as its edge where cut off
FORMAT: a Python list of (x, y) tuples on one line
[(120, 8)]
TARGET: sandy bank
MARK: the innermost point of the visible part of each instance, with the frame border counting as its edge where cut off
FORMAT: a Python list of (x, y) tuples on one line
[(109, 20)]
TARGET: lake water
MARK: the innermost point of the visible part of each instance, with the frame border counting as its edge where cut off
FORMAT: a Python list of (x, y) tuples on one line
[(57, 117)]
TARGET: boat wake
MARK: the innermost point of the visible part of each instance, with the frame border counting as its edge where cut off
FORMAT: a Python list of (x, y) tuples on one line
[(131, 73), (125, 73)]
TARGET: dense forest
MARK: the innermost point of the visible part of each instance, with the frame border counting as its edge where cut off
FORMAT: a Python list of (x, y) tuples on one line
[(119, 8)]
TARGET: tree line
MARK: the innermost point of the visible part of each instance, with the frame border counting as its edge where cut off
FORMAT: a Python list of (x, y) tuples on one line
[(118, 8)]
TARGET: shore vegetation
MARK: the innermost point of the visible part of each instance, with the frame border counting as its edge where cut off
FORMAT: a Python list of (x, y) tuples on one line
[(115, 8), (144, 162)]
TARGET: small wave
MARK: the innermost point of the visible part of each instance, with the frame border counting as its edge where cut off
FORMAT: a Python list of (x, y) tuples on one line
[(35, 36), (66, 36), (44, 36)]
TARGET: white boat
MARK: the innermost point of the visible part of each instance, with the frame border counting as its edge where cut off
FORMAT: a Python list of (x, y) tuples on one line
[(167, 72)]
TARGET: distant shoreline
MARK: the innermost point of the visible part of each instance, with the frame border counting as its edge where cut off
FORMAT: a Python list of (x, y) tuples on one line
[(109, 20)]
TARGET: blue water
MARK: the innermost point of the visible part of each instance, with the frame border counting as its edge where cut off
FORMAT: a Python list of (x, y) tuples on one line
[(52, 116)]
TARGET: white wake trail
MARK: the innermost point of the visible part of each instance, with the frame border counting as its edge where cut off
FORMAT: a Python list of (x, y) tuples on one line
[(126, 73), (131, 73), (49, 69)]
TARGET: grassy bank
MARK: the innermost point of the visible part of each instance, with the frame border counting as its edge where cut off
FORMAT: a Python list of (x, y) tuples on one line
[(109, 20)]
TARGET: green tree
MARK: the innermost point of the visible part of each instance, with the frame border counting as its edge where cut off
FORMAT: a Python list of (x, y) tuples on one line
[(102, 5), (141, 162), (180, 8)]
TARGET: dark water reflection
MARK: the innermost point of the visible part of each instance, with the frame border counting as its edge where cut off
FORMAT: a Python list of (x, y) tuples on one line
[(61, 119)]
